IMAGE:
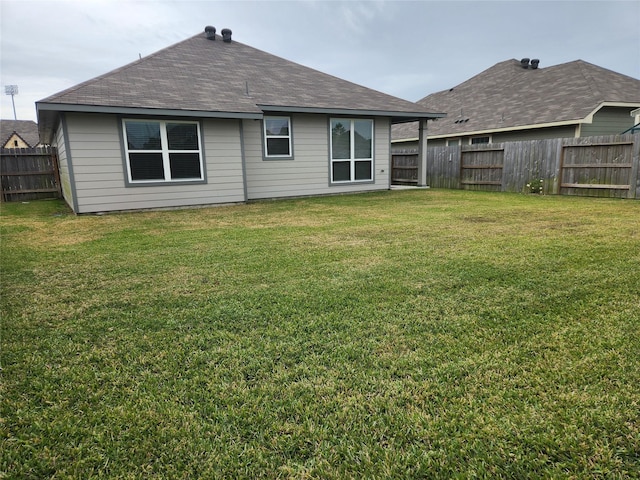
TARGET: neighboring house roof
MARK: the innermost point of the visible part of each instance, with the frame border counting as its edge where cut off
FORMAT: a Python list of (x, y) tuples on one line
[(510, 97), (27, 130), (220, 79)]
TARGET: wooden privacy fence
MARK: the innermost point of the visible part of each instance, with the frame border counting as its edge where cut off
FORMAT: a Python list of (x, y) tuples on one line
[(29, 174), (605, 166)]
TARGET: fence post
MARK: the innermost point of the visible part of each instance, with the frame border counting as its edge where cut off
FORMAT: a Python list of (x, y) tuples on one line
[(559, 162), (422, 153), (634, 179)]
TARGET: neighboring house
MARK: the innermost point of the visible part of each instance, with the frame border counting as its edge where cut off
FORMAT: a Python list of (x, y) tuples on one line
[(516, 100), (635, 114), (210, 121), (19, 134)]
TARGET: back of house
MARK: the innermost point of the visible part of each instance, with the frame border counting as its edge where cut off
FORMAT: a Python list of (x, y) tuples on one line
[(210, 121)]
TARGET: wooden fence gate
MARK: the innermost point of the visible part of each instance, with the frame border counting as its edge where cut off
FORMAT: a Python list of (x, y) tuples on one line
[(481, 168), (404, 168), (29, 174)]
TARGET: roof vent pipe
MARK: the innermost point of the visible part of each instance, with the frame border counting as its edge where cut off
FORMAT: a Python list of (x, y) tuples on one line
[(226, 35), (524, 63), (210, 32), (534, 63)]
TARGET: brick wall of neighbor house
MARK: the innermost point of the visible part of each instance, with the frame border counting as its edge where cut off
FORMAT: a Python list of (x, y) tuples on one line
[(99, 173), (308, 172), (608, 121)]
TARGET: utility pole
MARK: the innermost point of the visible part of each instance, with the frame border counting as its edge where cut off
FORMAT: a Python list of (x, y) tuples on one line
[(12, 90)]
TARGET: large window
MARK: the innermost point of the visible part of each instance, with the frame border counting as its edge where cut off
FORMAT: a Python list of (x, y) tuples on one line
[(162, 151), (277, 137), (351, 150)]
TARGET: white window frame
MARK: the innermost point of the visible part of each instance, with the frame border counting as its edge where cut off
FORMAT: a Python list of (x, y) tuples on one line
[(352, 146), (164, 150), (480, 136), (266, 137)]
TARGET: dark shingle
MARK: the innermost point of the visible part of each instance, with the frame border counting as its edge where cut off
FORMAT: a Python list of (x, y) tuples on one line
[(203, 75)]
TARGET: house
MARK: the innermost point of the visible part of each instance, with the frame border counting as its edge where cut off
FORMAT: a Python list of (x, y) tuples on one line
[(518, 100), (19, 134), (211, 121)]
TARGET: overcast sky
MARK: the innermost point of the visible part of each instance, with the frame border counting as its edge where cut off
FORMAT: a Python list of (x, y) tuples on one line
[(407, 49)]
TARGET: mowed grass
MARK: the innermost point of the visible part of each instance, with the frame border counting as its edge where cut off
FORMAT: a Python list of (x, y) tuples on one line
[(404, 334)]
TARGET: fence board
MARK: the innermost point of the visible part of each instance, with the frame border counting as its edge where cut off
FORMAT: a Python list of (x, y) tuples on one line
[(29, 174), (597, 166), (443, 167)]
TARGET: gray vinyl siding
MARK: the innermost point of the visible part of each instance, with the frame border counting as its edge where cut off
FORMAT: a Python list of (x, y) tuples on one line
[(100, 175), (567, 131), (439, 142), (63, 165), (308, 172), (608, 121)]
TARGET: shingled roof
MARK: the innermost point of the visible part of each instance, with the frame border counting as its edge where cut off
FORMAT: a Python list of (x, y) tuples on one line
[(213, 78), (27, 130), (508, 96)]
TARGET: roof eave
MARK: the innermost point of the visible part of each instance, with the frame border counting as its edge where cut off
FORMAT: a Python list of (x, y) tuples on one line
[(396, 116), (48, 112), (47, 123), (65, 107)]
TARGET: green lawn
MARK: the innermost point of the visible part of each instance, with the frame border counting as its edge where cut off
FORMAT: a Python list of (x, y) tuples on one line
[(404, 334)]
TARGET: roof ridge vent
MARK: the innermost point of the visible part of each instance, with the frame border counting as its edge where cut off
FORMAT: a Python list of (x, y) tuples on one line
[(210, 32), (226, 35)]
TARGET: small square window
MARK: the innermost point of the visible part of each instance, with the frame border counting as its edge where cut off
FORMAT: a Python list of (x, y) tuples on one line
[(363, 170), (479, 140), (341, 171), (146, 166), (277, 137)]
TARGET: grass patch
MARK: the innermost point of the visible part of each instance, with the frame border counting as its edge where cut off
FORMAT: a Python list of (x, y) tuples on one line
[(408, 334)]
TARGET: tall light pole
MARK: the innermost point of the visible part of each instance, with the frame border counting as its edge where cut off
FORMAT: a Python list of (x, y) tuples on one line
[(12, 90)]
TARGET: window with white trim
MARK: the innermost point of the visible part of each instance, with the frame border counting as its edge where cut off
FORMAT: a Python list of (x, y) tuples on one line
[(162, 151), (351, 150), (277, 137), (479, 140)]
